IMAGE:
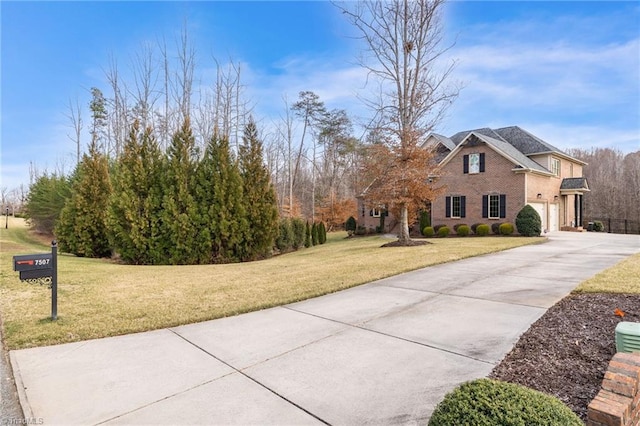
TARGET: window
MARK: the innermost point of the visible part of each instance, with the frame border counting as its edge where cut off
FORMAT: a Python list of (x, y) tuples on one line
[(455, 206), (494, 206), (555, 166), (375, 212), (473, 163)]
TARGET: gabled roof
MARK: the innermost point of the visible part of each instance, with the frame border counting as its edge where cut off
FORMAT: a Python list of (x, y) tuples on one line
[(574, 184), (517, 143), (519, 160), (443, 140)]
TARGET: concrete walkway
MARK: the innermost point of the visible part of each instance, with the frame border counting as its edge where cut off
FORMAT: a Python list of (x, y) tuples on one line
[(382, 353)]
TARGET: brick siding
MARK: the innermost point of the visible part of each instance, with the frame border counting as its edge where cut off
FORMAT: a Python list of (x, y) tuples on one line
[(618, 402)]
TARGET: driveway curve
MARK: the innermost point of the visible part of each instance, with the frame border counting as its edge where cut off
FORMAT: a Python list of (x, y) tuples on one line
[(381, 353)]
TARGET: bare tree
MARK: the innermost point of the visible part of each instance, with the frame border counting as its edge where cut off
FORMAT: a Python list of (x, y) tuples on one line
[(403, 40), (145, 94), (74, 115)]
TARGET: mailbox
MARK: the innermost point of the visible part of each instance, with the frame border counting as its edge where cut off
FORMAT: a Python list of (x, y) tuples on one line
[(30, 262), (42, 268)]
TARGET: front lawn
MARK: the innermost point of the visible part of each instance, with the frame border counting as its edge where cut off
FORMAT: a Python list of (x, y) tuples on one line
[(99, 298)]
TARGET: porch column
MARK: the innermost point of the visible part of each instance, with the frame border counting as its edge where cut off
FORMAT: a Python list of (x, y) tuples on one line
[(579, 213)]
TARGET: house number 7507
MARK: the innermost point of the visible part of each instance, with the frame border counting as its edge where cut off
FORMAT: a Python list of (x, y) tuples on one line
[(40, 262)]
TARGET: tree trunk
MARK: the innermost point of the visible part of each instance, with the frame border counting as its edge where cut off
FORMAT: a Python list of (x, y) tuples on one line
[(403, 235)]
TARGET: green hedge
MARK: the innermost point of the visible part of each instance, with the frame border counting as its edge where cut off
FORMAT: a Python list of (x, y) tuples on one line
[(486, 402), (528, 222), (443, 231)]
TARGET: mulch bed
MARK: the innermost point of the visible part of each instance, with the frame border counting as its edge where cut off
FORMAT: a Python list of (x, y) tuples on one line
[(566, 352)]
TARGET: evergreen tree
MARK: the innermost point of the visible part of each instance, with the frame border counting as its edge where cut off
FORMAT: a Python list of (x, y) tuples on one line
[(179, 219), (322, 233), (136, 201), (259, 196), (46, 199), (82, 228), (307, 239), (220, 200), (314, 234)]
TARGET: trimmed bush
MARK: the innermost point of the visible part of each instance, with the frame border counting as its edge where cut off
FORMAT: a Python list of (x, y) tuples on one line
[(284, 240), (528, 222), (463, 230), (495, 227), (443, 231), (458, 225), (482, 230), (428, 231), (506, 229), (437, 228), (298, 229), (474, 227), (492, 402), (598, 226)]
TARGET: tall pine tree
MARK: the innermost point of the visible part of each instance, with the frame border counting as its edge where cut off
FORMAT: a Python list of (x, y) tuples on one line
[(259, 196), (136, 201), (82, 227), (179, 219), (221, 206)]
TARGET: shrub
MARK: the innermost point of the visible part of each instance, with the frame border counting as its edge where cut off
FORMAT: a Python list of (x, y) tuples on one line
[(437, 228), (463, 230), (284, 241), (350, 225), (361, 230), (443, 231), (298, 229), (428, 231), (598, 226), (528, 222), (474, 227), (492, 402), (506, 229), (458, 225), (482, 230), (425, 220), (495, 227)]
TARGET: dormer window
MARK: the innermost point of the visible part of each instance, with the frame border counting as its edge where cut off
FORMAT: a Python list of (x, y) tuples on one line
[(473, 163)]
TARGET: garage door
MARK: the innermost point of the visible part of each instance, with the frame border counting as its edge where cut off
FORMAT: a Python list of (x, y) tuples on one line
[(539, 207)]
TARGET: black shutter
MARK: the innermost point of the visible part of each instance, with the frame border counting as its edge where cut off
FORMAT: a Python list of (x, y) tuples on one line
[(503, 206), (485, 206), (465, 164), (482, 162), (463, 202), (447, 207)]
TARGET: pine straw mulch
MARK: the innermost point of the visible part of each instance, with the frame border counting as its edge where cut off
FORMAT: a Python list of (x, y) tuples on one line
[(567, 351)]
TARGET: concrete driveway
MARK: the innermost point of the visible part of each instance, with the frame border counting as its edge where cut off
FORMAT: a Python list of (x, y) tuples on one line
[(382, 353)]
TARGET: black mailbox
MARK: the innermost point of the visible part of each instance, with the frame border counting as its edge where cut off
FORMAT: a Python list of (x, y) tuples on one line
[(31, 262)]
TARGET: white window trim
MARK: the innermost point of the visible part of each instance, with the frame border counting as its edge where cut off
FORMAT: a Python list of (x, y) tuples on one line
[(476, 170), (556, 170), (376, 212), (489, 207), (453, 216)]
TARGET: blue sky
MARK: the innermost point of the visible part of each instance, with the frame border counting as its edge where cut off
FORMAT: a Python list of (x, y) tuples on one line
[(568, 72)]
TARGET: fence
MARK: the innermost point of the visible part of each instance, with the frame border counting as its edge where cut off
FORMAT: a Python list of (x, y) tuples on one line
[(618, 226)]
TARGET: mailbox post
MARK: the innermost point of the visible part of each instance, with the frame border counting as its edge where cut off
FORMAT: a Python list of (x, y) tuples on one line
[(39, 267)]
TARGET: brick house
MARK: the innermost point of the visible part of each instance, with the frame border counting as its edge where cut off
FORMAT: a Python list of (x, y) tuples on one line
[(490, 174)]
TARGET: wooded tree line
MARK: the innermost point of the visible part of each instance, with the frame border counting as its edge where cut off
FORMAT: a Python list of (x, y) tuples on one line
[(310, 150), (175, 207), (614, 180)]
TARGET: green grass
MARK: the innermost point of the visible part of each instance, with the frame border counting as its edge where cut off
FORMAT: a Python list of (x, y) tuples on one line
[(99, 298), (621, 278)]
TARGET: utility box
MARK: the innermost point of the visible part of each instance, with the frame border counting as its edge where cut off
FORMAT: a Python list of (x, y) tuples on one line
[(628, 337)]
